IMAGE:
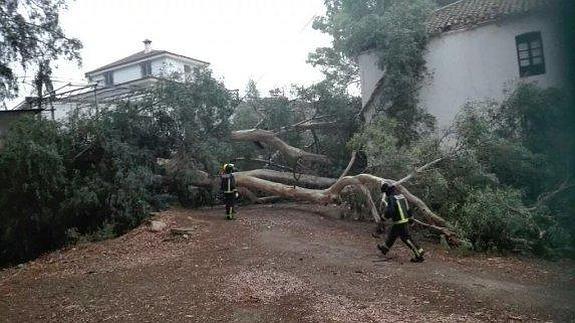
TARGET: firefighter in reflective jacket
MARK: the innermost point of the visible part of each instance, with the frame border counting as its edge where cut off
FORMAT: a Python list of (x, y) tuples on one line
[(398, 210), (228, 187)]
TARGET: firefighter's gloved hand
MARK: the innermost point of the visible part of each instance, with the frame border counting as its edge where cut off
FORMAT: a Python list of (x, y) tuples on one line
[(237, 194)]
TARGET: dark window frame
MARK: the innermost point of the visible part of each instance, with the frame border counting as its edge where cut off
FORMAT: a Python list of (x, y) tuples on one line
[(530, 54), (146, 68), (109, 78)]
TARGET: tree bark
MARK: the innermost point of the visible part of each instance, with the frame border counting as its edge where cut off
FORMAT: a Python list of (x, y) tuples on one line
[(270, 139), (349, 165), (319, 196)]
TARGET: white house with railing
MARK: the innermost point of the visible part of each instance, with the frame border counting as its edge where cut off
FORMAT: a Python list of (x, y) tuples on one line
[(121, 79)]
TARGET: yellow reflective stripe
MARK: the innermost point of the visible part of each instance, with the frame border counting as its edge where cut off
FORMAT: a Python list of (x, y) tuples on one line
[(229, 184), (401, 212), (401, 221)]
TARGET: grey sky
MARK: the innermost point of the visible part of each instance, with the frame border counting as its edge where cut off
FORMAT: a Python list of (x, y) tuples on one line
[(266, 40)]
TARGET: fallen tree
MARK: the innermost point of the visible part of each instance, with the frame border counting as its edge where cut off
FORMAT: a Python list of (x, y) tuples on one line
[(315, 189), (332, 194), (323, 190)]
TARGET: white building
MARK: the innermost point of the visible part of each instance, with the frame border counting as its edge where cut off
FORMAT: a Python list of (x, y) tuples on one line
[(480, 48), (144, 66), (121, 79)]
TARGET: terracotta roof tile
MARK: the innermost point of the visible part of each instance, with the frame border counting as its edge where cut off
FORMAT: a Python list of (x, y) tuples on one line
[(467, 13)]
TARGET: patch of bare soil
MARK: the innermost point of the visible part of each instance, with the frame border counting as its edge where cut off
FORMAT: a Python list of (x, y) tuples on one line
[(277, 263)]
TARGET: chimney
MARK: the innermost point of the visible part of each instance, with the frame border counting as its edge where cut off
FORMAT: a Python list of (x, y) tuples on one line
[(147, 46)]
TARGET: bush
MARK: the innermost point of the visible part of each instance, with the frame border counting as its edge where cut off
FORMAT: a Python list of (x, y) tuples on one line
[(492, 186), (488, 221), (32, 174), (97, 176)]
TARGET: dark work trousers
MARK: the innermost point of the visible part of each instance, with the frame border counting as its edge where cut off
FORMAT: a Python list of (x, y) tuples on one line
[(401, 231), (230, 201)]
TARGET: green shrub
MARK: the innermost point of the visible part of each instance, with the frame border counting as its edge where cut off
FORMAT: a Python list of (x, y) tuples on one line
[(497, 220), (33, 183), (488, 221), (97, 176)]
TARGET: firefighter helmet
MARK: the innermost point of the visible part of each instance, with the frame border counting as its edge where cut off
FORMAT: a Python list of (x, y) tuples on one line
[(228, 168)]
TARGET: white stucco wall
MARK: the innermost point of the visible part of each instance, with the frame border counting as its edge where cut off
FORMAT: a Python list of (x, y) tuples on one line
[(369, 74), (128, 73), (132, 72), (162, 66), (98, 79), (475, 64), (167, 67)]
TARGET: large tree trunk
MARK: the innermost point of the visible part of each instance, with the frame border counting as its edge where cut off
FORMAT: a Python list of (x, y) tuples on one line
[(320, 196), (317, 189)]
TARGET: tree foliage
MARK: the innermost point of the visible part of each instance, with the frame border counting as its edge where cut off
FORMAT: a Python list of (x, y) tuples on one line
[(318, 103), (98, 175), (396, 32), (31, 36), (506, 170)]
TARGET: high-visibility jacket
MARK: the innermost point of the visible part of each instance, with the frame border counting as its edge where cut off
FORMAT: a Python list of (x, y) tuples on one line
[(397, 209), (228, 183)]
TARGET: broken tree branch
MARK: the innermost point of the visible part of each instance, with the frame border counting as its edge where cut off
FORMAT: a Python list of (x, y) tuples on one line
[(316, 125), (419, 170), (546, 196), (270, 139), (451, 237), (429, 215), (371, 205), (263, 161), (305, 124), (350, 164)]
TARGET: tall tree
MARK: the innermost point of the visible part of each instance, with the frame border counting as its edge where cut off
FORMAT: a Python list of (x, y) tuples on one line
[(394, 30), (31, 35)]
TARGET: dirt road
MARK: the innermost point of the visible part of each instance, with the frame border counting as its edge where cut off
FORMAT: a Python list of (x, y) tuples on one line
[(277, 263)]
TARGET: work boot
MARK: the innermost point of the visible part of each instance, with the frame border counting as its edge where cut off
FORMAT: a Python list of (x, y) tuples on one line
[(419, 256), (383, 249), (417, 259)]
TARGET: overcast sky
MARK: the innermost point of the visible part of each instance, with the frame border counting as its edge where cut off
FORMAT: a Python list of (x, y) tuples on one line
[(265, 40)]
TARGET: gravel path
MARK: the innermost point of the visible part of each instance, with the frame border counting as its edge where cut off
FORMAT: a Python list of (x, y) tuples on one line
[(277, 263)]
